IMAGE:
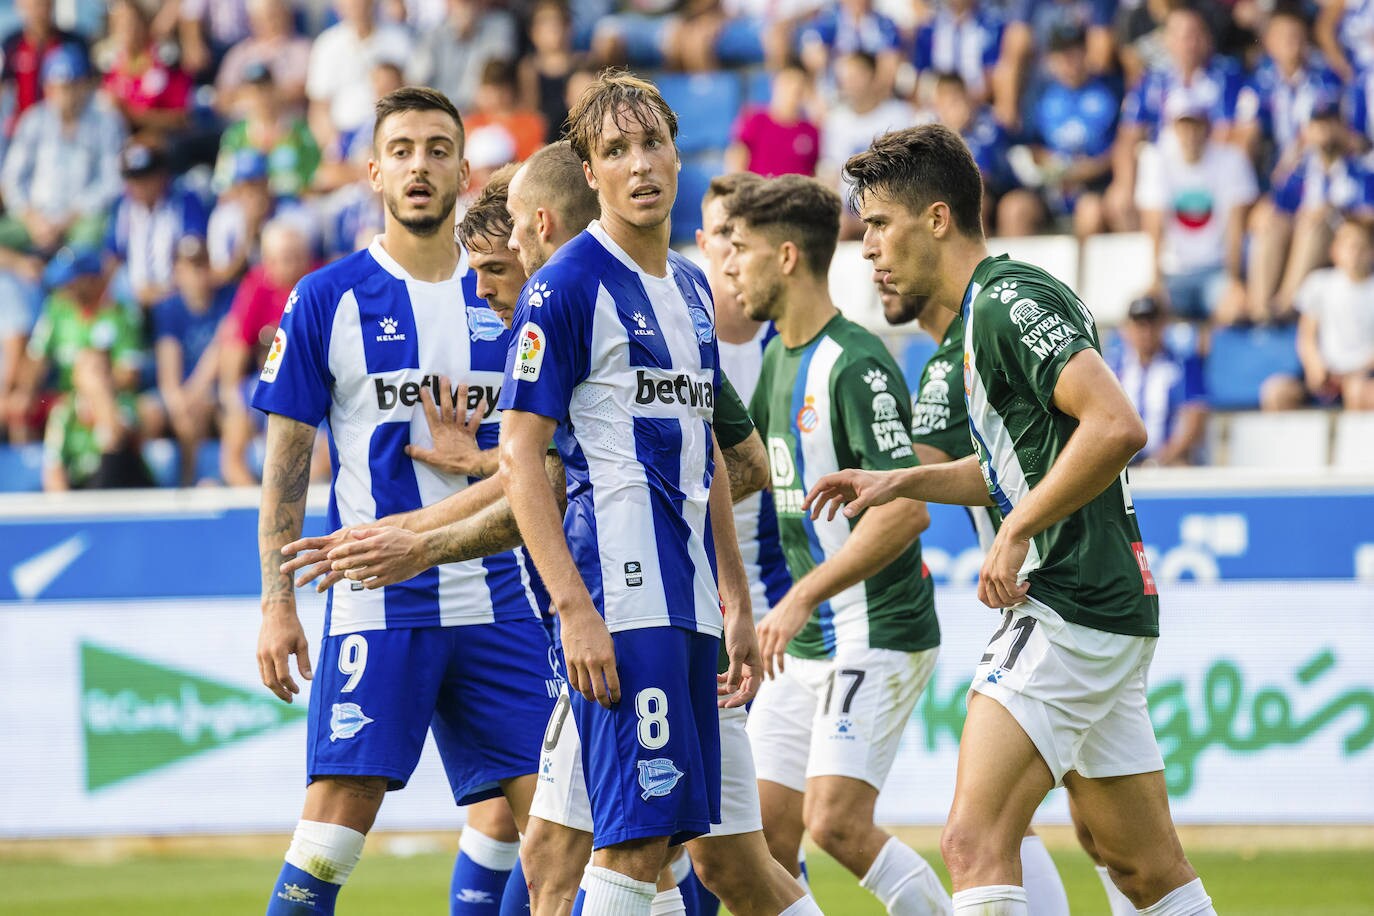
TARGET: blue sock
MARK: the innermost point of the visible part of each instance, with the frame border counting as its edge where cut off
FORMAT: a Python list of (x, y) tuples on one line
[(577, 903), (516, 900), (699, 900), (474, 889), (299, 893)]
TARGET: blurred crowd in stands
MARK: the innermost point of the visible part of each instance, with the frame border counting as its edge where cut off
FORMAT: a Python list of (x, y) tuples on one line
[(170, 169)]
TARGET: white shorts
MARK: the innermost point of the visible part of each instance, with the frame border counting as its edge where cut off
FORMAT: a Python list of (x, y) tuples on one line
[(1079, 693), (560, 795), (842, 716)]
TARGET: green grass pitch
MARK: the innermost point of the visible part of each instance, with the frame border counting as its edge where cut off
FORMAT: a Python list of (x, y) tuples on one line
[(1268, 883)]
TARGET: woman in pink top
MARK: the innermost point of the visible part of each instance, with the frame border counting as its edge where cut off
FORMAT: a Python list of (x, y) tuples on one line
[(778, 139), (141, 77)]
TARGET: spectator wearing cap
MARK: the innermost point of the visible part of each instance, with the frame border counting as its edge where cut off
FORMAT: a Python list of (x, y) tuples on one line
[(779, 138), (23, 52), (184, 330), (847, 27), (964, 38), (1335, 329), (142, 76), (272, 43), (1070, 126), (1193, 193), (1167, 390), (148, 220), (454, 56), (1193, 68), (1290, 82), (497, 103), (1320, 180), (1345, 33), (339, 81), (77, 315), (271, 128), (61, 175), (247, 333), (1030, 23)]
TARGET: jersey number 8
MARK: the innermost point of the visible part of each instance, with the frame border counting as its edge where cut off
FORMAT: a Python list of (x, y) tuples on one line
[(651, 705)]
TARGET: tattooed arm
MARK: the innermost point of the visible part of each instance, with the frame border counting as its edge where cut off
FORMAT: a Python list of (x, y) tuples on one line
[(385, 555), (747, 466), (285, 479)]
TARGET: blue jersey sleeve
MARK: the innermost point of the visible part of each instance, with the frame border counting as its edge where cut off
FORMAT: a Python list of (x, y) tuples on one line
[(551, 348), (295, 380)]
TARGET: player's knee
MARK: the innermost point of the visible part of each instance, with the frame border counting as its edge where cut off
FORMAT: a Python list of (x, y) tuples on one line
[(971, 849), (326, 851), (1145, 880), (835, 829), (722, 875)]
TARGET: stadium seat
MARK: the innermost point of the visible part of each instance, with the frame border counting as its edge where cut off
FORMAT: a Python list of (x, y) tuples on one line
[(706, 105), (1354, 443), (692, 182), (1057, 254), (1279, 440), (740, 43), (1116, 268), (21, 468), (917, 349), (1240, 359)]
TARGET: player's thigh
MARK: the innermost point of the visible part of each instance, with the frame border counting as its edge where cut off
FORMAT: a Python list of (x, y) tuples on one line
[(739, 788), (493, 818), (652, 762), (1128, 820), (863, 708), (372, 700), (560, 789), (780, 721), (494, 706)]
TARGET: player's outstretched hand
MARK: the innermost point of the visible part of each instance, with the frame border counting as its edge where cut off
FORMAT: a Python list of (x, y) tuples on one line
[(854, 489), (741, 681), (589, 656), (454, 431), (997, 580), (379, 556), (310, 557), (778, 627), (280, 637)]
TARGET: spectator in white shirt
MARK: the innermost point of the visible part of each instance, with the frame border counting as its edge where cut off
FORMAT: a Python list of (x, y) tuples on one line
[(339, 82), (1193, 193), (1335, 329)]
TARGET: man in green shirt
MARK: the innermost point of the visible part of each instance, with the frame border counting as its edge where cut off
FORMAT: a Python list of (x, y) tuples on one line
[(1060, 695), (851, 646)]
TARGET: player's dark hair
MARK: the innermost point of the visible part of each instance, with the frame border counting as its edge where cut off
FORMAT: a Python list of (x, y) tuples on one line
[(487, 222), (629, 100), (553, 178), (417, 98), (919, 166), (728, 185), (795, 209)]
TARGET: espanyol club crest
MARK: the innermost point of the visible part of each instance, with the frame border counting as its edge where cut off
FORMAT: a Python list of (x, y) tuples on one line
[(658, 777)]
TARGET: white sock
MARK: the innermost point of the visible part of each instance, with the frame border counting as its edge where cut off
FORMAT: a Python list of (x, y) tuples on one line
[(806, 906), (667, 903), (1188, 900), (904, 882), (491, 854), (330, 852), (1044, 888), (1119, 902), (991, 900), (609, 893)]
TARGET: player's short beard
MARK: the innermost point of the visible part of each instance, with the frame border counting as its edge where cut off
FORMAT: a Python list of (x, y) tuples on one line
[(762, 302), (425, 226), (906, 310)]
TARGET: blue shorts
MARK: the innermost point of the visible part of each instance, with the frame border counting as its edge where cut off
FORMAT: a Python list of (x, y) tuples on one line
[(652, 763), (485, 689)]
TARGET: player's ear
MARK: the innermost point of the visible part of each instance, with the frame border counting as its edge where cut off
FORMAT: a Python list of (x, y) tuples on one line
[(374, 173), (788, 257), (941, 221), (591, 176), (464, 176), (544, 223)]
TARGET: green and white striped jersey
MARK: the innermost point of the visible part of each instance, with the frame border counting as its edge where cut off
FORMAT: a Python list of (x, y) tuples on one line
[(838, 402), (1021, 327)]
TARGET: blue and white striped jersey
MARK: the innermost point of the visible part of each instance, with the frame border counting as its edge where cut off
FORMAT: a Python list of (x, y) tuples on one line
[(756, 519), (626, 363), (358, 341)]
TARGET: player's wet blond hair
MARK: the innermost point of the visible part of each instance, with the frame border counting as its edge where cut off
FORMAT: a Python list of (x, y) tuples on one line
[(632, 103)]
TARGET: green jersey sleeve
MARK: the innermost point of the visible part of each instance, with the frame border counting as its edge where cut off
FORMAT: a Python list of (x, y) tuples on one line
[(732, 423), (873, 410), (1031, 330)]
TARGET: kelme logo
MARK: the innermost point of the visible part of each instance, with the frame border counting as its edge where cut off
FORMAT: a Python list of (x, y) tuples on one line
[(138, 716)]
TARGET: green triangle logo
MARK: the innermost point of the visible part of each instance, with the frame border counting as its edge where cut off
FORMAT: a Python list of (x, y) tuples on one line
[(138, 716)]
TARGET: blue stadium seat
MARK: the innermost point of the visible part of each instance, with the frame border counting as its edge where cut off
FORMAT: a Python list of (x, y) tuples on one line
[(740, 43), (916, 352), (692, 183), (706, 105), (21, 468), (1242, 358)]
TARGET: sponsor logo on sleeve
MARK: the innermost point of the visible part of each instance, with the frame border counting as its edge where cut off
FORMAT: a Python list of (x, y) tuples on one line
[(930, 411), (529, 356), (658, 777), (274, 357), (634, 574)]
